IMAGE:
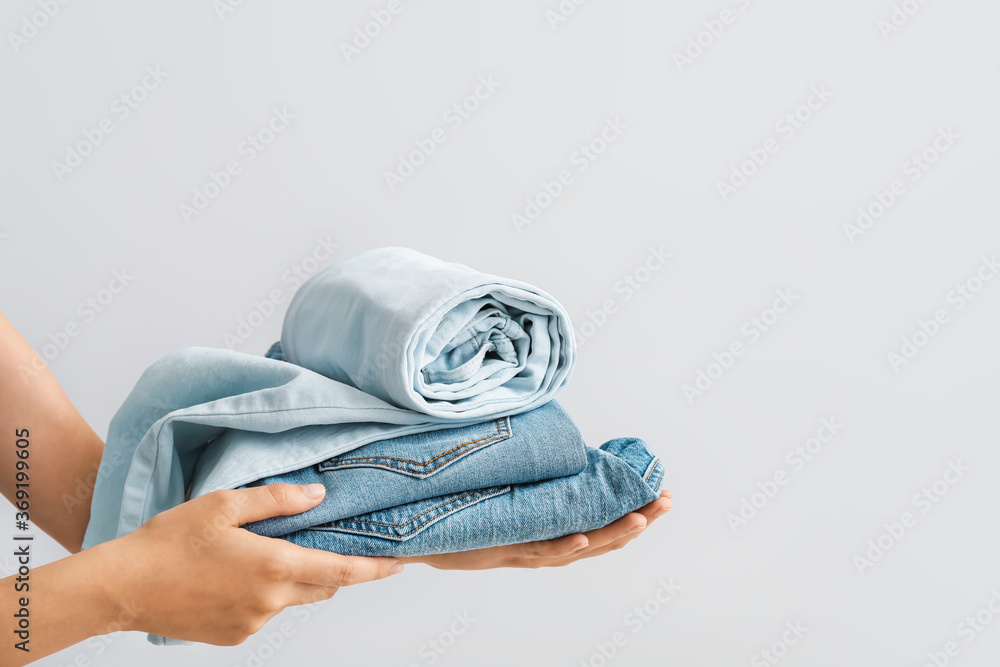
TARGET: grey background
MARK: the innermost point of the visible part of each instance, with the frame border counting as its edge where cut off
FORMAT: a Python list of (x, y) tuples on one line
[(656, 185)]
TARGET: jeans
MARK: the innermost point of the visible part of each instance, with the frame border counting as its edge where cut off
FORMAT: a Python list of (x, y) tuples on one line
[(435, 337), (529, 447), (620, 477), (384, 344)]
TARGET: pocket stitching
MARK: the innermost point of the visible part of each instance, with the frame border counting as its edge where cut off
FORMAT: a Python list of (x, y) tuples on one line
[(503, 432), (475, 497)]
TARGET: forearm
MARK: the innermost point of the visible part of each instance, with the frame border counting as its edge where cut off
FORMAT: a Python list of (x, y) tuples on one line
[(63, 452), (58, 605)]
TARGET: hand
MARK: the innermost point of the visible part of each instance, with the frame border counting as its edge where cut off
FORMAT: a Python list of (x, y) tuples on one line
[(557, 552), (192, 573)]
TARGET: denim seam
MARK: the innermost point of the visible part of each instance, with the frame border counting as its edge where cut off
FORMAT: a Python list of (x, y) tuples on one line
[(386, 535), (410, 429), (140, 497), (650, 468), (659, 475), (503, 432), (411, 520)]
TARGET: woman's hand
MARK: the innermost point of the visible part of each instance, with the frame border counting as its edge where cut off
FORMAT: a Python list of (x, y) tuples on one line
[(554, 553), (188, 573), (193, 573)]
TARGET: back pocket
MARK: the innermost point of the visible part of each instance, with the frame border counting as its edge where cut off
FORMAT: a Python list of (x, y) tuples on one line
[(422, 454), (402, 522)]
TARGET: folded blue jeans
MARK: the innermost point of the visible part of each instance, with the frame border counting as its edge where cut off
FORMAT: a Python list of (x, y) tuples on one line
[(541, 444), (387, 343), (620, 477)]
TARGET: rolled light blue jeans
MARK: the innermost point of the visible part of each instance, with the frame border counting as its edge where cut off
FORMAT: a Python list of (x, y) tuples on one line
[(532, 446), (620, 477)]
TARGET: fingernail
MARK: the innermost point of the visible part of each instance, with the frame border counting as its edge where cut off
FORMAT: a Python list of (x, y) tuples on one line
[(636, 529), (397, 568), (314, 490), (669, 494), (582, 546)]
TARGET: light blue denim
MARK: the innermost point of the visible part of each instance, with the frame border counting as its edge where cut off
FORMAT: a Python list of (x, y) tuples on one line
[(529, 447), (621, 476), (384, 344), (437, 338)]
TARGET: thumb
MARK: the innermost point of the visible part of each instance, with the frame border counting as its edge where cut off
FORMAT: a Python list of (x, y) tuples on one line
[(264, 502)]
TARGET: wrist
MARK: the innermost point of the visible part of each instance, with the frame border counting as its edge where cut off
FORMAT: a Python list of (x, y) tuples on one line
[(112, 589)]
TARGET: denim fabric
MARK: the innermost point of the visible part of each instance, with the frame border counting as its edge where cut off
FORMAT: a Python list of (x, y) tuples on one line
[(532, 446), (621, 476), (438, 338), (384, 344)]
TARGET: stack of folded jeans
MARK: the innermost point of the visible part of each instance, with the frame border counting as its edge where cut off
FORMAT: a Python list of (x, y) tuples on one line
[(521, 477), (419, 392)]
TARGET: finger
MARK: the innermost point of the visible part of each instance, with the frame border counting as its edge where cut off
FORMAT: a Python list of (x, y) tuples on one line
[(607, 548), (615, 535), (324, 568), (600, 550), (262, 502), (651, 511), (657, 508), (572, 547), (559, 547), (631, 522), (473, 559)]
